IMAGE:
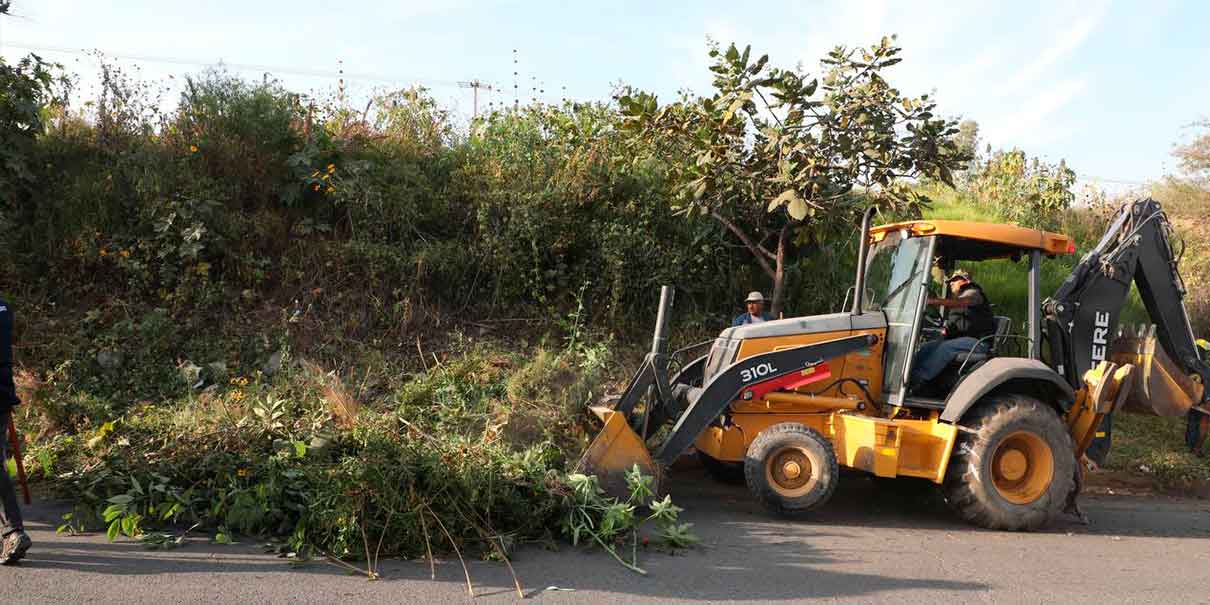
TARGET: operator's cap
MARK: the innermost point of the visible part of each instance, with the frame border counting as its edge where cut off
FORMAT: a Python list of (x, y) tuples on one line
[(958, 274), (755, 297)]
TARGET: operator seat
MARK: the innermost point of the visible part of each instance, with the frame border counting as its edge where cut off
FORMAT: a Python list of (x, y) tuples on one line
[(939, 387), (969, 361)]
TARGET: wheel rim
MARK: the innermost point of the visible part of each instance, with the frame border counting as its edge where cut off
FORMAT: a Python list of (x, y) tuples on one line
[(1022, 467), (789, 472)]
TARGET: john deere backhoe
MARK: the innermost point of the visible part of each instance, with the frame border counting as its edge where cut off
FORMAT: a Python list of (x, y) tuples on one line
[(786, 403)]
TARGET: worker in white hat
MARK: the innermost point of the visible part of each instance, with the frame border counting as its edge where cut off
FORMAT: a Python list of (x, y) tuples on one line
[(756, 310)]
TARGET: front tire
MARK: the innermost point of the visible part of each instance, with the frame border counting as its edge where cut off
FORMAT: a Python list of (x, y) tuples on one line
[(1014, 469), (791, 469)]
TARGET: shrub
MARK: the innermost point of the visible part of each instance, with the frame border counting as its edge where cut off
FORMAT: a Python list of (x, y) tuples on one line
[(469, 448)]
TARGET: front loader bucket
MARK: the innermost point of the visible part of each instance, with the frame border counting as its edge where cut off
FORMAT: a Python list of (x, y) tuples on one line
[(1160, 387), (614, 451)]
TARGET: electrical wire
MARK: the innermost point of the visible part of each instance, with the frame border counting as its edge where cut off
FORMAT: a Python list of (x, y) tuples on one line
[(297, 71)]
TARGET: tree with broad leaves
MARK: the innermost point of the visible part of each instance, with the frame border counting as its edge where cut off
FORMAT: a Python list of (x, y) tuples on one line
[(1195, 155), (783, 160)]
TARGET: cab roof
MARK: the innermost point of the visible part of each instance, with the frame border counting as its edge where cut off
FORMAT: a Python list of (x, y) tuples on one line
[(973, 240)]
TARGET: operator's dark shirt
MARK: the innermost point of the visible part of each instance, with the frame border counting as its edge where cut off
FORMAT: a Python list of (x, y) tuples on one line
[(8, 391), (975, 320)]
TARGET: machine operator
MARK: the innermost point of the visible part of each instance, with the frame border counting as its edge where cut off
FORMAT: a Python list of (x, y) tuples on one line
[(968, 319)]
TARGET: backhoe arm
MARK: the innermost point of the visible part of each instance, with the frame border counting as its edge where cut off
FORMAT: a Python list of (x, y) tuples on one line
[(1085, 310), (1082, 317)]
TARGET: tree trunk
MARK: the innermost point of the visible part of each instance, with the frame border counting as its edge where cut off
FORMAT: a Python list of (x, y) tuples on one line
[(757, 251), (779, 274)]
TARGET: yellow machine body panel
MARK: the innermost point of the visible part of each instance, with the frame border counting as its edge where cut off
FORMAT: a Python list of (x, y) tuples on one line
[(861, 440), (883, 447)]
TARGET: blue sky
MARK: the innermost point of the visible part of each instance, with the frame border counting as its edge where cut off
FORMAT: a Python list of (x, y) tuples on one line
[(1106, 85)]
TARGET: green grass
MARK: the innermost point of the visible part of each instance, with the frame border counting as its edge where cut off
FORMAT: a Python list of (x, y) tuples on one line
[(1154, 446)]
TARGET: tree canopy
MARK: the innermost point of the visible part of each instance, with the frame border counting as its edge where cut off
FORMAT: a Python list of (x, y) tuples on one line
[(776, 154), (1195, 156)]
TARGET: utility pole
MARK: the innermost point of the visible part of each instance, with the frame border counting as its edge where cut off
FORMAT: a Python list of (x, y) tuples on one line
[(475, 85)]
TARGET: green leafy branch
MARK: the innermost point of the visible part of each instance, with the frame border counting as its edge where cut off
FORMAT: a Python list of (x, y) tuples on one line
[(592, 517)]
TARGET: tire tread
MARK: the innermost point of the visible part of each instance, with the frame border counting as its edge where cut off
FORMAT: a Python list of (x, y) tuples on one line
[(975, 500), (754, 469)]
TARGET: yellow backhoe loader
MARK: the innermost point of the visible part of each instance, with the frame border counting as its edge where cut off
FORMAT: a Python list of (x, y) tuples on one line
[(786, 403)]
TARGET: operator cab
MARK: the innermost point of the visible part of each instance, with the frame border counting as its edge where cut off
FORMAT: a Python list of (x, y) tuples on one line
[(907, 260)]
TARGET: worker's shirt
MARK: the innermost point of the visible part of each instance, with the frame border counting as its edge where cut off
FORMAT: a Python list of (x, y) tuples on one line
[(975, 320), (748, 318), (8, 392)]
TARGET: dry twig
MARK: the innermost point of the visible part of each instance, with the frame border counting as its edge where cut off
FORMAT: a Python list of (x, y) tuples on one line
[(469, 587)]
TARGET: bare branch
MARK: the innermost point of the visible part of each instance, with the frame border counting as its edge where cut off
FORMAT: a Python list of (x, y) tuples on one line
[(762, 247), (768, 107), (743, 237)]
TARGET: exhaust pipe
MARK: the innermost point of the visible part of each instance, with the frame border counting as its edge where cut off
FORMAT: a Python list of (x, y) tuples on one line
[(862, 251), (659, 342)]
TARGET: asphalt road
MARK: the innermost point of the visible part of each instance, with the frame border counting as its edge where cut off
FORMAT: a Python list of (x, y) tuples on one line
[(865, 546)]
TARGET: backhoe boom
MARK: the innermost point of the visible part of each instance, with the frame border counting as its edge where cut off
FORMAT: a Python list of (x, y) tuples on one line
[(1083, 316)]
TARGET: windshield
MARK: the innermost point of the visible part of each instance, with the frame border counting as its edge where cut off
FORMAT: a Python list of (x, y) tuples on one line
[(895, 274)]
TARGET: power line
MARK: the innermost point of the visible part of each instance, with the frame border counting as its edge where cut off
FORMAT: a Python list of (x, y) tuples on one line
[(298, 71), (476, 84)]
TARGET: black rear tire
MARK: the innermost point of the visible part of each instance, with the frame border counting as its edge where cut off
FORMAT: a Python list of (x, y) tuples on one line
[(1015, 467), (731, 473), (791, 469)]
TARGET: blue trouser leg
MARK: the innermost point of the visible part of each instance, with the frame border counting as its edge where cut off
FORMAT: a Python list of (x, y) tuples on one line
[(933, 356), (1193, 433), (924, 353), (1098, 450)]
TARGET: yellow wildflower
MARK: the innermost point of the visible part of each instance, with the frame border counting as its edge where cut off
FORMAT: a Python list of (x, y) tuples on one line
[(331, 167), (238, 395), (243, 472), (193, 149)]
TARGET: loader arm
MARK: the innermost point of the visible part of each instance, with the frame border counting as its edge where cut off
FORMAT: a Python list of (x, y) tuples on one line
[(1082, 317), (618, 447), (707, 403)]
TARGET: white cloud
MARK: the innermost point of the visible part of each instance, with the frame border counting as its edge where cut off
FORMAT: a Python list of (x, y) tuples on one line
[(1029, 126), (1015, 82), (1068, 40)]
